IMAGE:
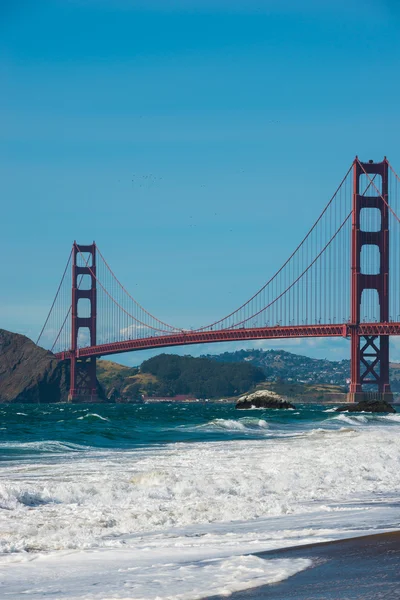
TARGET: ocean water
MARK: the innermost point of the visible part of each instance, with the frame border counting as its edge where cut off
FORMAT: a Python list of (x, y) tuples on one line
[(173, 501)]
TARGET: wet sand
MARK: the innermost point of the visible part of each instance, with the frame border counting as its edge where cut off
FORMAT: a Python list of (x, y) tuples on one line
[(364, 568)]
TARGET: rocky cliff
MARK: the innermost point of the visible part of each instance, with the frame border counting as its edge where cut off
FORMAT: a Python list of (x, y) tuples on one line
[(29, 373)]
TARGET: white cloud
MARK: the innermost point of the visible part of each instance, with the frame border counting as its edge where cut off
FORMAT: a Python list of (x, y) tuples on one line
[(131, 331)]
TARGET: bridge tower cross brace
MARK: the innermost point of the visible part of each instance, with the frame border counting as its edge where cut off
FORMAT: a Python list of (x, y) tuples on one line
[(369, 354), (83, 381)]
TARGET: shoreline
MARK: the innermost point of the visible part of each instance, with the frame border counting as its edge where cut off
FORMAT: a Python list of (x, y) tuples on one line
[(360, 568)]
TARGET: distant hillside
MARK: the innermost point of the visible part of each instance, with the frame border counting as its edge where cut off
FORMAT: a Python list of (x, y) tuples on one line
[(170, 375), (307, 392), (118, 381), (201, 377), (278, 364), (229, 374), (289, 367)]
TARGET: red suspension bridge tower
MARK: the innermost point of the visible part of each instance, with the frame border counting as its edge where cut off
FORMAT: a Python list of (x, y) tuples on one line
[(83, 384), (369, 353)]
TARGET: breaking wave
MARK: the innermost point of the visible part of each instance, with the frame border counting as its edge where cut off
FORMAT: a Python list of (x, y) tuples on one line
[(245, 424), (93, 416), (52, 446)]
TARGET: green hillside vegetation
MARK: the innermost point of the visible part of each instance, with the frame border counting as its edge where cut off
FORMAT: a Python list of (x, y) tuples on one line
[(119, 381), (229, 375), (169, 375), (200, 377), (111, 373)]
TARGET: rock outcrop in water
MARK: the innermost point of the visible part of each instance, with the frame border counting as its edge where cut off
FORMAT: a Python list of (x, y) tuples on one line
[(375, 406), (29, 373), (263, 399)]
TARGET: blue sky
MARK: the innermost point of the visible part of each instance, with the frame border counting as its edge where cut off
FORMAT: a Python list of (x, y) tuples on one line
[(195, 141)]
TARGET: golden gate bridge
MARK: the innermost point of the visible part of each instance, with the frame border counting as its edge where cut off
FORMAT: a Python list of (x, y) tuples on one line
[(342, 280)]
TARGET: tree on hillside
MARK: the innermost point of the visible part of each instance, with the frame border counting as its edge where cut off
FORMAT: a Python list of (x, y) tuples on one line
[(201, 377)]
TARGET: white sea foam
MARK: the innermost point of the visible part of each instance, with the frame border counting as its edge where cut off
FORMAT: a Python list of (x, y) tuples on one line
[(119, 575), (391, 417), (93, 416), (49, 446), (352, 419), (246, 423), (173, 509), (230, 424), (79, 501), (320, 431)]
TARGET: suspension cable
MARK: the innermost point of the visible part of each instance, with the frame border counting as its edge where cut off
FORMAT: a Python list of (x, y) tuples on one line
[(117, 303), (379, 194), (55, 298), (285, 263), (393, 171), (131, 297), (298, 278)]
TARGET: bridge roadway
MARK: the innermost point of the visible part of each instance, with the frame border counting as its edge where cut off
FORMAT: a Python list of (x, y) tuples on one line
[(233, 335)]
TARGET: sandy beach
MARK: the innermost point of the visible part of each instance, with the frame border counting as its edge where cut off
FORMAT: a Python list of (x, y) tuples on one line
[(364, 568)]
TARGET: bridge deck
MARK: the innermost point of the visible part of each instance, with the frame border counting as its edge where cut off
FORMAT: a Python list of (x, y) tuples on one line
[(257, 333)]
